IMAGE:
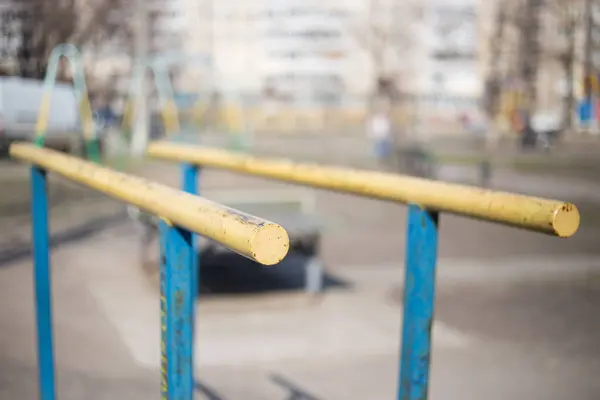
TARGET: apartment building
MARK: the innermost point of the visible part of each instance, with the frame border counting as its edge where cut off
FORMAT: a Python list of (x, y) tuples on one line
[(167, 24), (9, 35), (305, 48), (281, 46), (319, 52), (453, 57), (315, 51)]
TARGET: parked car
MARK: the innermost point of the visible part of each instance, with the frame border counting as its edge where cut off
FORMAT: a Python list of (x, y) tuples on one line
[(20, 102)]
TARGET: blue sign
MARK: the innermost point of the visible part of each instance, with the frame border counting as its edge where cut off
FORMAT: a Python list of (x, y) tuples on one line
[(586, 112)]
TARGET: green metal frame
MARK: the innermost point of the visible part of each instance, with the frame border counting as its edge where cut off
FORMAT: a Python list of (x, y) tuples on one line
[(159, 65), (70, 52)]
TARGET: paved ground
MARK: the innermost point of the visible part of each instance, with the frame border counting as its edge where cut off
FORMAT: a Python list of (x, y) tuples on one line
[(516, 310), (529, 322)]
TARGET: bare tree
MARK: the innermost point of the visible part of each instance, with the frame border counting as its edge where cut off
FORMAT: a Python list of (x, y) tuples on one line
[(493, 85), (564, 19), (385, 33), (43, 24), (528, 24), (530, 35)]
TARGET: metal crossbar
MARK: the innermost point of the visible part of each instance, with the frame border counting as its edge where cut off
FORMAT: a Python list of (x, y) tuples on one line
[(182, 215), (70, 52), (425, 199)]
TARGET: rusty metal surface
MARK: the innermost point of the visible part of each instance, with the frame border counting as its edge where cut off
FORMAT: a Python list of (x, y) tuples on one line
[(419, 301), (177, 313)]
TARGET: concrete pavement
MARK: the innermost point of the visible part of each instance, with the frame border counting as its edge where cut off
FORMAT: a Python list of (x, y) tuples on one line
[(501, 331), (342, 346)]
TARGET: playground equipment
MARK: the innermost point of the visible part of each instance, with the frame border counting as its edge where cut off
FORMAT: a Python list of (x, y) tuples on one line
[(72, 55), (425, 199), (234, 117), (159, 64), (166, 92), (20, 101), (181, 215)]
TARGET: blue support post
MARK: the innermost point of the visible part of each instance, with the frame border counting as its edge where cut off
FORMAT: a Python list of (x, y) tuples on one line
[(177, 359), (419, 300), (42, 281), (189, 184)]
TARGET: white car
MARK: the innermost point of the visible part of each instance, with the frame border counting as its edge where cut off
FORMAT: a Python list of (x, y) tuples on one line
[(20, 102)]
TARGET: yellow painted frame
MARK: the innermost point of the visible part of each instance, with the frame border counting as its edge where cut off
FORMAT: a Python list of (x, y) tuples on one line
[(73, 56), (260, 240), (542, 215)]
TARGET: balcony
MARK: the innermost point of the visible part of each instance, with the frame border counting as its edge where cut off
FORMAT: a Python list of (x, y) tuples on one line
[(454, 55)]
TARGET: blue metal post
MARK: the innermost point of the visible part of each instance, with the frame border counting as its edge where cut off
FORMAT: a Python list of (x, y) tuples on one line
[(419, 299), (190, 185), (42, 281), (177, 360)]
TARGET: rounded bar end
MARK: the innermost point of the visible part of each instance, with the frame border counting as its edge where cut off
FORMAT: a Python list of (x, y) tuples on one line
[(270, 244), (566, 220)]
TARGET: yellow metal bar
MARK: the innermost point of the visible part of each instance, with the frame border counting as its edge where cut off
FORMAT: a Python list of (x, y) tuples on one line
[(255, 238), (73, 56), (542, 215), (170, 117), (87, 119), (42, 121)]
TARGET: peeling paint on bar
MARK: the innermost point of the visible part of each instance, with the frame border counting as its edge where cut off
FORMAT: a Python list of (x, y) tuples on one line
[(543, 215), (252, 237)]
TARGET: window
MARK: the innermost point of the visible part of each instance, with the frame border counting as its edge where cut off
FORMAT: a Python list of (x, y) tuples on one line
[(292, 55), (312, 34)]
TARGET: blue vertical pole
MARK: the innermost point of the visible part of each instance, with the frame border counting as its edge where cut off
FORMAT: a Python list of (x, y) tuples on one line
[(189, 184), (419, 300), (177, 369), (42, 281)]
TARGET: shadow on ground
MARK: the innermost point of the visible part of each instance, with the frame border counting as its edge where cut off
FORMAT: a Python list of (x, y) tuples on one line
[(17, 251), (227, 273), (207, 392), (558, 319), (16, 194), (294, 391)]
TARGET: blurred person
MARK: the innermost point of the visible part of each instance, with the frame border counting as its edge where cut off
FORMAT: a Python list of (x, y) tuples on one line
[(529, 137), (379, 131), (106, 116), (479, 125), (104, 119)]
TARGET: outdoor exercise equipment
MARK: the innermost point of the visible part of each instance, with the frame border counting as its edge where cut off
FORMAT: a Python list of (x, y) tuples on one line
[(182, 216), (159, 65), (265, 242), (240, 131), (426, 199), (70, 52)]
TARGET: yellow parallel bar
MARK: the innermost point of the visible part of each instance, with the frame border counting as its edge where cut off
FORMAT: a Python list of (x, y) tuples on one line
[(255, 238), (542, 215)]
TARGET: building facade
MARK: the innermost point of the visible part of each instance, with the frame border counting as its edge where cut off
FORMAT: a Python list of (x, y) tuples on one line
[(303, 51)]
